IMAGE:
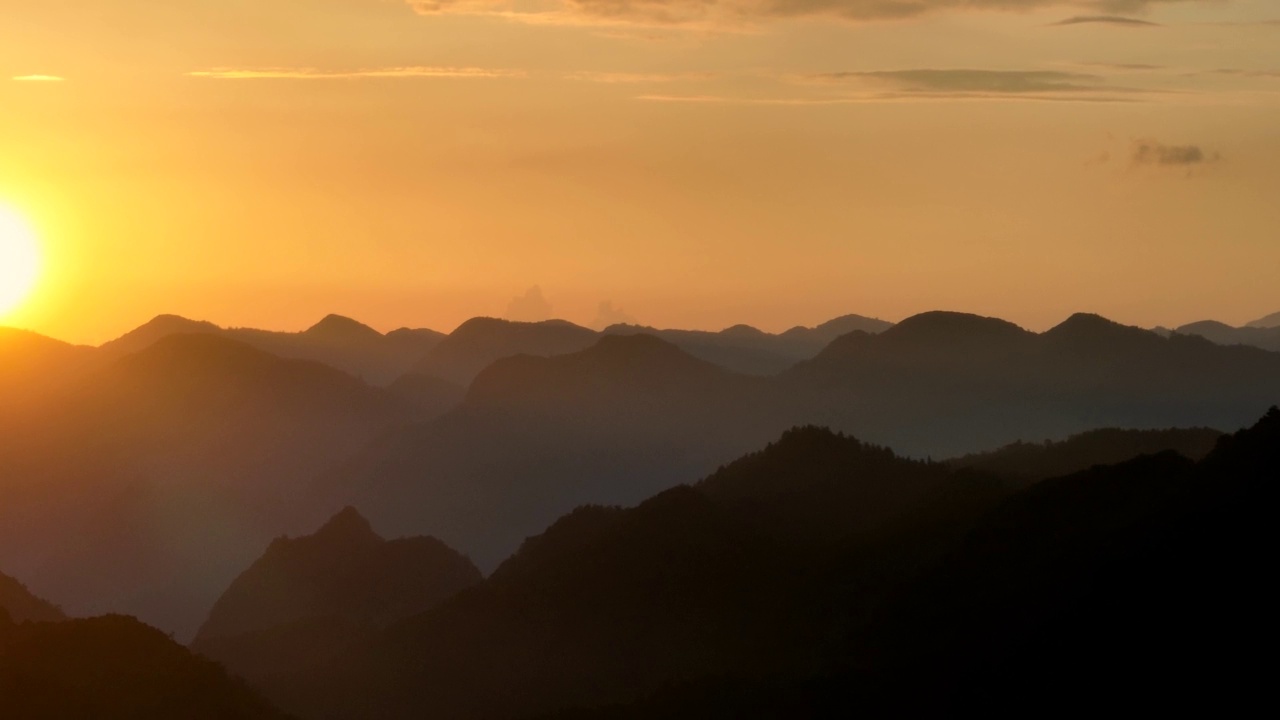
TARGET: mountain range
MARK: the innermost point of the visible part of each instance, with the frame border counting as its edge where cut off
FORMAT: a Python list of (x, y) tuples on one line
[(822, 575), (175, 464)]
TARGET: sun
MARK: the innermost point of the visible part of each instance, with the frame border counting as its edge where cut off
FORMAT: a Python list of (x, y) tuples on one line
[(19, 260)]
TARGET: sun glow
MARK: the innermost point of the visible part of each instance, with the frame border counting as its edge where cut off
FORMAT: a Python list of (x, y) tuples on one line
[(19, 260)]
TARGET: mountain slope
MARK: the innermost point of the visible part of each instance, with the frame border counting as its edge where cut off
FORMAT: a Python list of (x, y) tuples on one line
[(22, 606), (1262, 336), (538, 436), (310, 596), (114, 668), (196, 437)]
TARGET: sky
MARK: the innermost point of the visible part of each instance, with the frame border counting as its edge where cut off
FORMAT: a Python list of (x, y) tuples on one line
[(679, 163)]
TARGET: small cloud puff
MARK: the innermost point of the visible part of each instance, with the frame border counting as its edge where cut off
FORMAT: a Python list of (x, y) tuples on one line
[(609, 314), (530, 307)]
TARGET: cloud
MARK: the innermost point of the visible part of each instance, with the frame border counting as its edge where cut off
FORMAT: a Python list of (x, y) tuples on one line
[(977, 81), (530, 307), (1150, 152), (1237, 72), (314, 74), (1106, 20), (723, 14), (39, 78), (638, 78), (611, 315)]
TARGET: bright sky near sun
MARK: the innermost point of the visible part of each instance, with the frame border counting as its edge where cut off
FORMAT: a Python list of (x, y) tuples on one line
[(696, 164)]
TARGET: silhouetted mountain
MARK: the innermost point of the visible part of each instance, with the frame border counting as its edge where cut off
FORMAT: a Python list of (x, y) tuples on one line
[(480, 341), (1270, 321), (538, 436), (32, 367), (307, 598), (1036, 461), (947, 384), (336, 341), (430, 396), (144, 461), (1110, 586), (822, 575), (736, 575), (22, 606), (1267, 338), (746, 350), (114, 668), (622, 420)]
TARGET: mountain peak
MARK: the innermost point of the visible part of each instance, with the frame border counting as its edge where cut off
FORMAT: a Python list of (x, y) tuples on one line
[(1086, 327), (349, 526), (342, 327), (951, 327)]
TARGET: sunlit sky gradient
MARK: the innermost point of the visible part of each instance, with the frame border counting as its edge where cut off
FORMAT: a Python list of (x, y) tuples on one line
[(698, 164)]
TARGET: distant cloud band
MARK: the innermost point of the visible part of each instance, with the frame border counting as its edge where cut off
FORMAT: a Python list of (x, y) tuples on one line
[(314, 74), (729, 13)]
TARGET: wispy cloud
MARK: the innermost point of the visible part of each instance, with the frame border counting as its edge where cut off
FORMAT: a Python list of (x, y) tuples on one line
[(39, 78), (316, 74), (736, 14), (624, 78), (1106, 20), (980, 81)]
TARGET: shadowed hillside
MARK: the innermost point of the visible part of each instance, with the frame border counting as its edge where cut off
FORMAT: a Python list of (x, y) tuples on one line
[(633, 414), (823, 575), (1037, 461), (22, 606), (114, 668), (147, 459), (308, 597), (538, 436)]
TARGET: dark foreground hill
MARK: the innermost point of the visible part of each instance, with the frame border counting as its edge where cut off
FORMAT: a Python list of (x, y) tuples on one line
[(823, 576), (21, 606), (114, 668), (307, 598)]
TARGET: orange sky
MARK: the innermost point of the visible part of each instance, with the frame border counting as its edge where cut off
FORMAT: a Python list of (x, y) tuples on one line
[(777, 162)]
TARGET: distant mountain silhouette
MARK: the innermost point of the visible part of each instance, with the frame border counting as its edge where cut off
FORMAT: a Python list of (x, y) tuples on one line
[(308, 597), (746, 350), (114, 668), (144, 460), (822, 576), (480, 341), (633, 414), (22, 606), (1270, 321), (946, 384), (1109, 446), (1267, 338), (537, 436), (337, 341), (33, 367)]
